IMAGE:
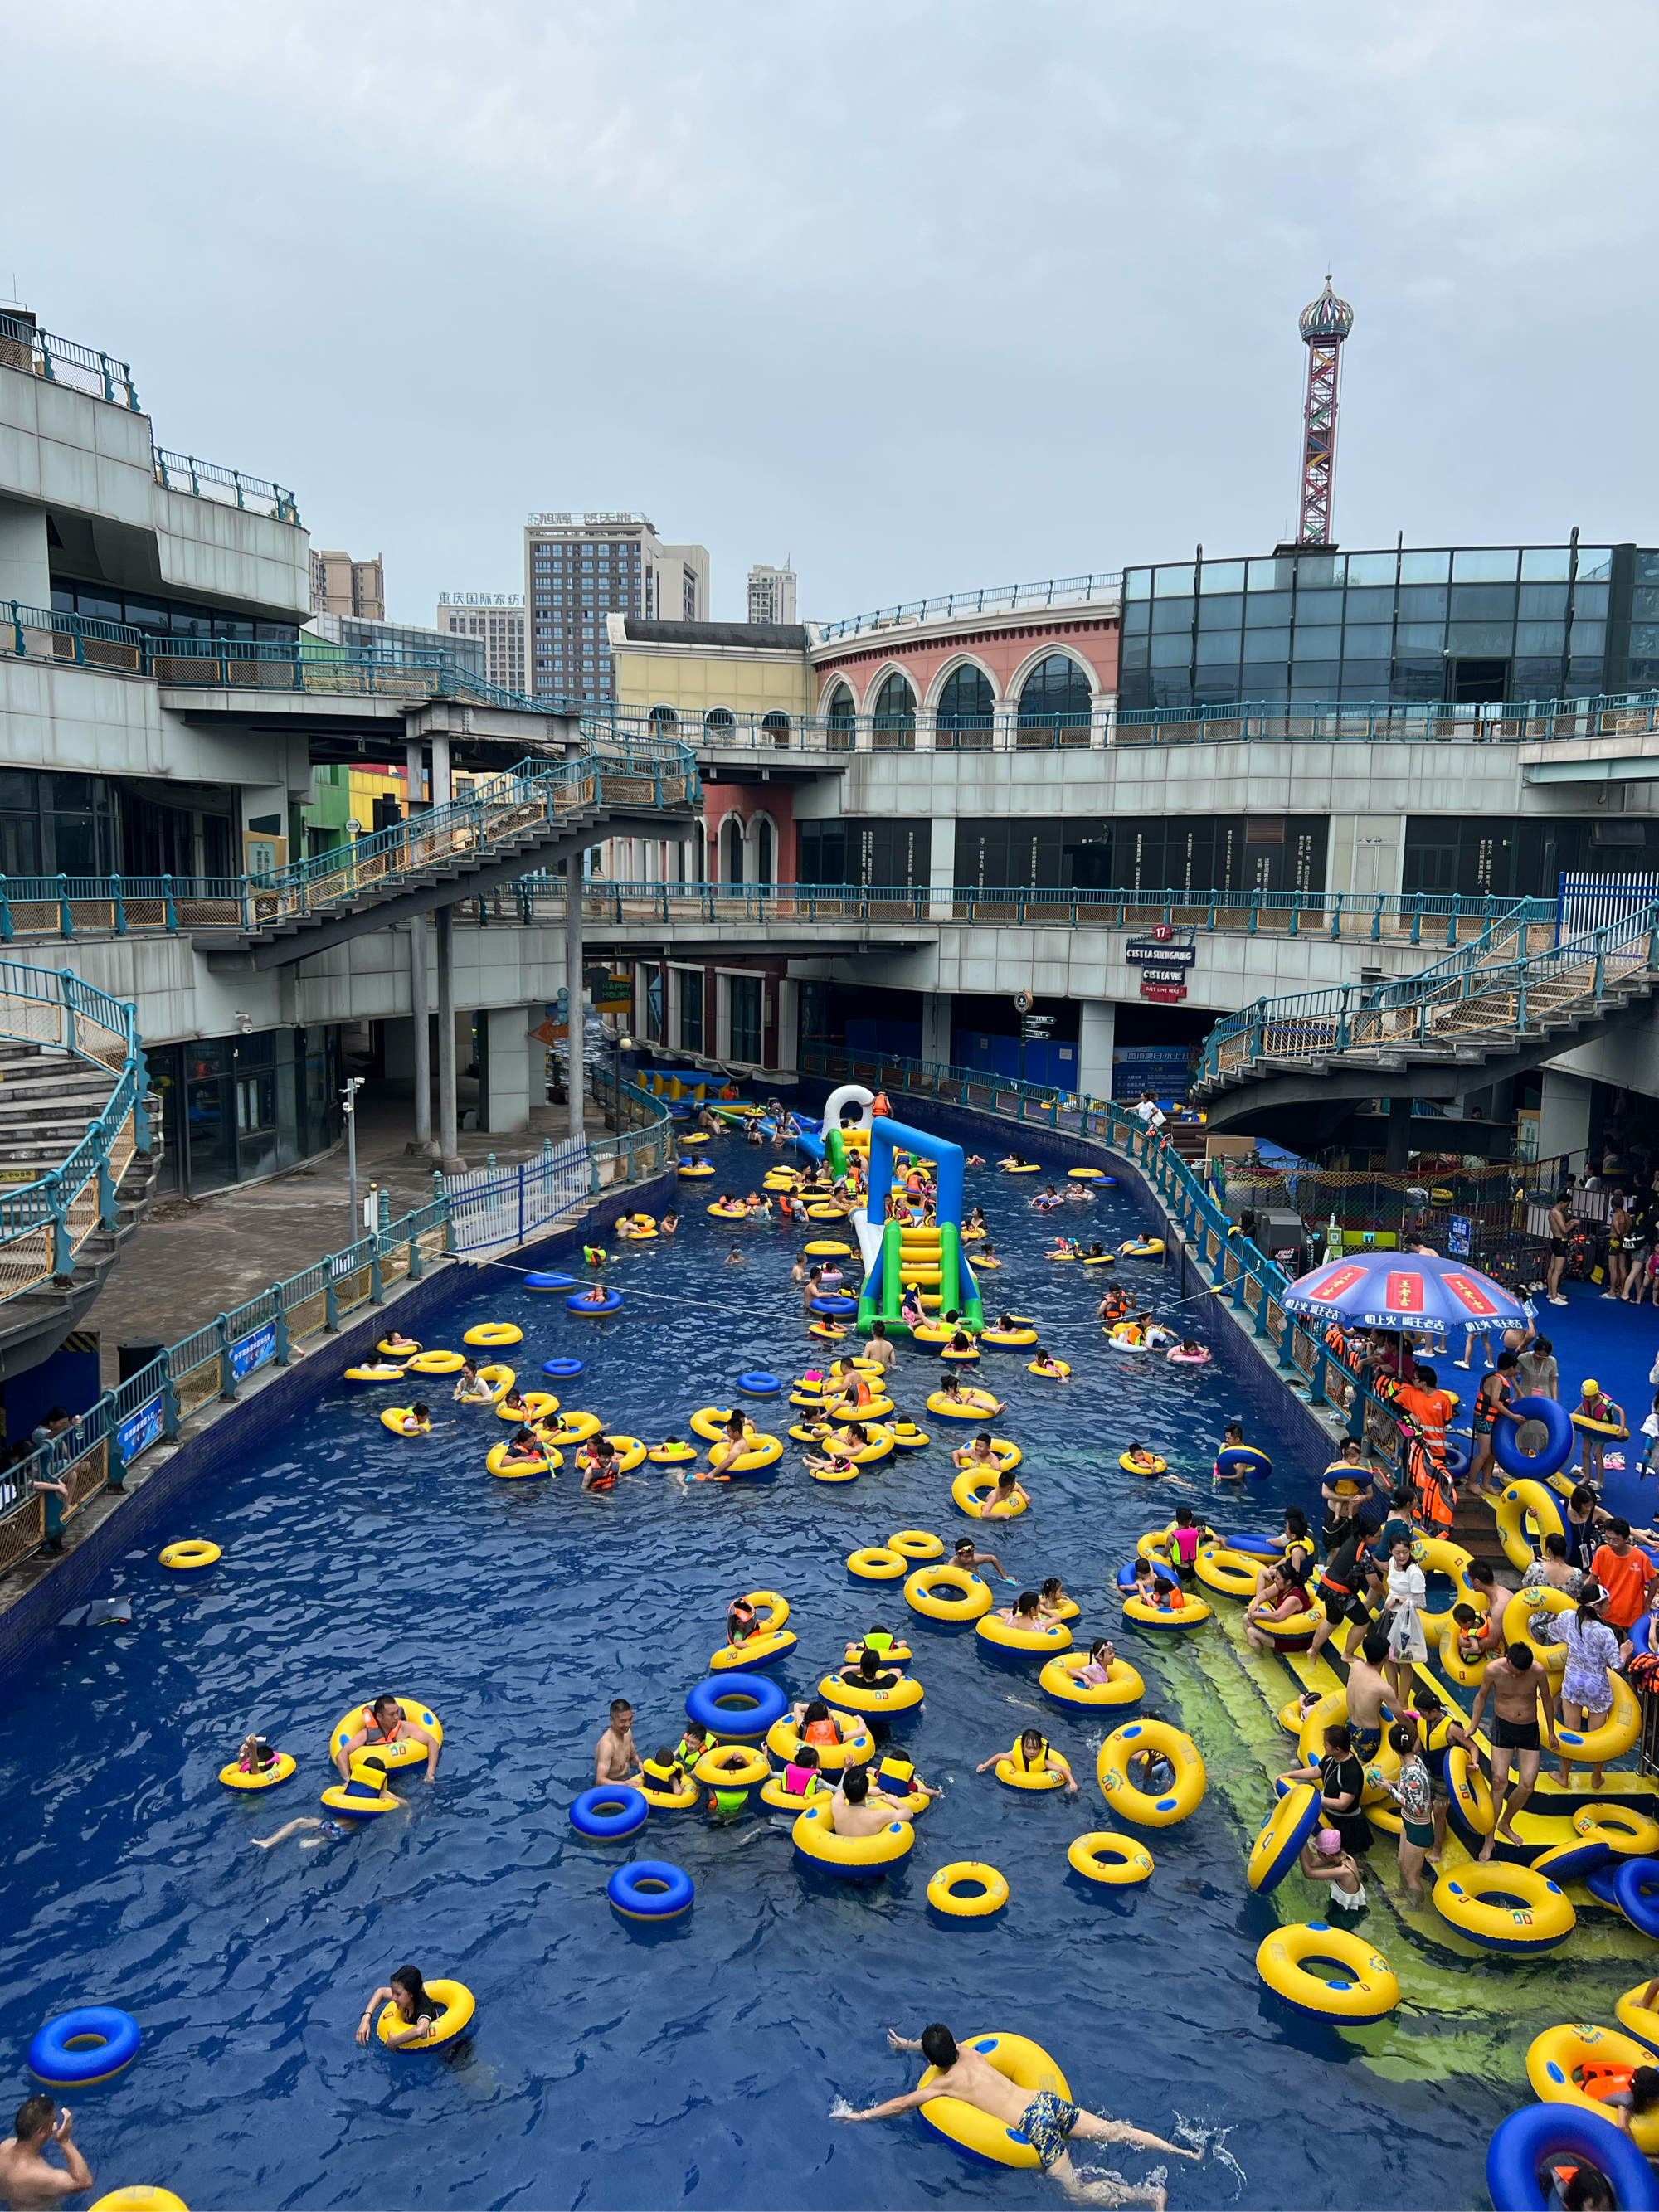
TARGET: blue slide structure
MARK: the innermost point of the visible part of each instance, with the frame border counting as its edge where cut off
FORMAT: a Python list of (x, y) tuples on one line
[(927, 1257)]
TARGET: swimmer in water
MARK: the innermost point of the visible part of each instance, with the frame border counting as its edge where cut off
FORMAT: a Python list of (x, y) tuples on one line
[(327, 1832), (26, 2179), (968, 1556)]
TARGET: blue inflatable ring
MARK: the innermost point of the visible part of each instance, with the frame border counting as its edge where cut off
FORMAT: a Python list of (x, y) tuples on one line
[(614, 1809), (757, 1384), (564, 1369), (52, 2060), (1246, 1459), (549, 1282), (833, 1305), (736, 1708), (1599, 1881), (1522, 2143), (1257, 1545), (1641, 1634), (1636, 1892), (1458, 1458), (650, 1889), (1558, 1451), (583, 1304)]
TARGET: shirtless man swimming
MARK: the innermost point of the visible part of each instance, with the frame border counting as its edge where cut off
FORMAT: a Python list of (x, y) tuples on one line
[(1046, 2120), (850, 1812), (25, 2177), (614, 1756), (1520, 1690)]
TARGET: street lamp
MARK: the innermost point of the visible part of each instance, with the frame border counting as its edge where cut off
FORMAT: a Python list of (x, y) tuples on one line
[(354, 1084), (620, 1044)]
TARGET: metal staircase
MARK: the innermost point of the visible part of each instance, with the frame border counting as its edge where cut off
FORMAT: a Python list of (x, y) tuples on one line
[(539, 814), (1296, 1068)]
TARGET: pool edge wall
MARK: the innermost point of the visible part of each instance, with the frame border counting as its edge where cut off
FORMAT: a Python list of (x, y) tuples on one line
[(72, 1578)]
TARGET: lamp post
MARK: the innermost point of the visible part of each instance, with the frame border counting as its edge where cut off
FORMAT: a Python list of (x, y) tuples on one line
[(354, 1084), (620, 1044)]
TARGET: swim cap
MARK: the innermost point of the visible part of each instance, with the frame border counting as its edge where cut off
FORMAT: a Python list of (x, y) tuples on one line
[(1590, 1388), (1328, 1843)]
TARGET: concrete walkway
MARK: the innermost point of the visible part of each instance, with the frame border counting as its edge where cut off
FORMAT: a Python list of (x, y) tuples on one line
[(195, 1259)]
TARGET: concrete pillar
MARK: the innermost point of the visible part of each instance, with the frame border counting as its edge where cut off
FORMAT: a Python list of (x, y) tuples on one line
[(789, 990), (421, 1057), (504, 1104), (1400, 1136), (1096, 1031), (441, 792), (1563, 1114), (936, 1025), (25, 562), (573, 984), (942, 869), (448, 1132)]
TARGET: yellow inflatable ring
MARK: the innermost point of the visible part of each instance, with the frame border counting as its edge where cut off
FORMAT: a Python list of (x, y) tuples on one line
[(394, 1418), (629, 1451), (880, 1445), (1086, 1175), (826, 1213), (192, 1552), (856, 1746), (781, 1800), (386, 1373), (1158, 1466), (1289, 1961), (1101, 1856), (1519, 1615), (140, 2196), (667, 1801), (459, 2007), (1191, 1613), (827, 1248), (967, 1357), (971, 1488), (693, 1169), (815, 1838), (238, 1778), (925, 1592), (904, 1694), (1058, 1680), (1145, 1248), (403, 1753), (1036, 1781), (1537, 1917), (1557, 2058), (1627, 1835), (1471, 1791), (436, 1362), (765, 1451), (1058, 1372), (732, 1767), (988, 1891), (1469, 1675), (1010, 1340), (1054, 1636), (672, 1454), (1517, 1503), (575, 1428), (1232, 1573), (916, 1544), (1616, 1736), (1061, 1256), (931, 1332), (878, 1563), (709, 1421), (971, 1405), (1028, 2066), (397, 1351), (1275, 1850), (520, 1470), (501, 1381), (493, 1333), (753, 1651), (539, 1406), (1146, 1811), (729, 1212), (1635, 2018)]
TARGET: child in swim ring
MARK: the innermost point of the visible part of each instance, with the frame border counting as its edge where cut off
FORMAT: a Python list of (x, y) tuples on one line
[(981, 1452), (1005, 1497), (1051, 1598), (416, 1420), (1102, 1659), (1046, 1363), (1144, 1461), (987, 1255)]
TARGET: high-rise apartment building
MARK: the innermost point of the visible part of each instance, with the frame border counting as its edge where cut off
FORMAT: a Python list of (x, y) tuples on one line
[(341, 585), (497, 621), (771, 594), (580, 567)]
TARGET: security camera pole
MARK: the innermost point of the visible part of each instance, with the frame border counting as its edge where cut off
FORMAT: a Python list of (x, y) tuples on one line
[(354, 1084)]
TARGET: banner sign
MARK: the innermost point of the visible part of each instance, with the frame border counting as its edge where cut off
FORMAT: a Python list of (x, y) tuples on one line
[(1165, 955), (141, 1430), (254, 1350)]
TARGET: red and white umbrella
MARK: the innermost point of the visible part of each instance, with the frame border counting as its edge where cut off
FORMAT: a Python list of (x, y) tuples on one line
[(1406, 1291)]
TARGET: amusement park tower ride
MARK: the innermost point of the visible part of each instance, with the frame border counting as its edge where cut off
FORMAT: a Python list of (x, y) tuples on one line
[(1325, 325)]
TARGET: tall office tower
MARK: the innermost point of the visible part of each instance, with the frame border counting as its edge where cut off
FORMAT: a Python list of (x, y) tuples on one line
[(580, 567), (341, 585), (771, 594), (497, 620)]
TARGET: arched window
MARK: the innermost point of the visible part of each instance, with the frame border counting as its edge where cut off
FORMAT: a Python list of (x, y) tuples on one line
[(732, 835), (719, 726), (841, 715), (776, 727), (1055, 698), (665, 718), (763, 872), (894, 721), (964, 716)]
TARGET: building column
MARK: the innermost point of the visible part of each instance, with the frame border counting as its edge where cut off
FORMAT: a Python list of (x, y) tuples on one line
[(504, 1104), (1398, 1157), (441, 792), (936, 1026), (942, 866), (449, 1118), (1096, 1032), (421, 1023), (789, 990), (572, 990)]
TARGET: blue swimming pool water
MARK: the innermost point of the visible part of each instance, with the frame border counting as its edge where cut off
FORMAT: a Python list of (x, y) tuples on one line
[(605, 2069)]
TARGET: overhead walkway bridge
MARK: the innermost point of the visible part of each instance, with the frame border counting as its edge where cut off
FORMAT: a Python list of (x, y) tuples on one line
[(1299, 1069)]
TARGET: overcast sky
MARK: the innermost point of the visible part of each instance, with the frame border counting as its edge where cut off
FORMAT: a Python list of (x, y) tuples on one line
[(925, 295)]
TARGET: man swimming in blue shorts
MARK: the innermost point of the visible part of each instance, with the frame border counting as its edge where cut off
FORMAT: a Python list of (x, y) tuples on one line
[(1045, 2118)]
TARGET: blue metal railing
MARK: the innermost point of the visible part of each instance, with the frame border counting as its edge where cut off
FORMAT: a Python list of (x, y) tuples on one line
[(43, 1224), (65, 360), (208, 480), (1384, 722), (1053, 591)]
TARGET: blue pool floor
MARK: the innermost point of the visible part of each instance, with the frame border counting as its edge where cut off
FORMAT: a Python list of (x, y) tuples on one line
[(607, 2068)]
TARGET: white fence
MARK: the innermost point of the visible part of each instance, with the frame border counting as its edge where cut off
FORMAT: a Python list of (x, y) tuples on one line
[(1587, 903), (505, 1205)]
